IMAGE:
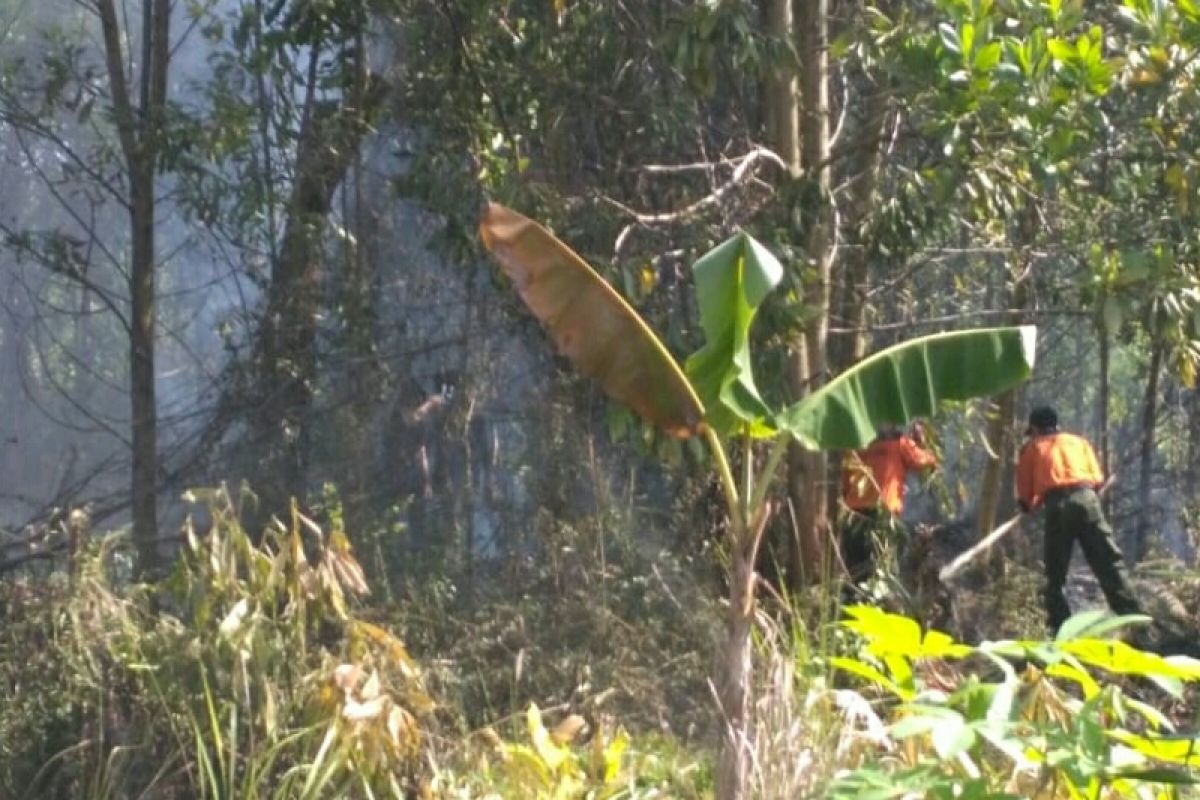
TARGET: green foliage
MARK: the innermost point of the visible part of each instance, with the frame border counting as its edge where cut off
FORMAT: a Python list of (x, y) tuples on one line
[(732, 281), (553, 765), (1058, 728), (910, 380)]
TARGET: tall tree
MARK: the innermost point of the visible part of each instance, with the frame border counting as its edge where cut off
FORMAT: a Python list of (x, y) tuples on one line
[(140, 128), (292, 102), (807, 468)]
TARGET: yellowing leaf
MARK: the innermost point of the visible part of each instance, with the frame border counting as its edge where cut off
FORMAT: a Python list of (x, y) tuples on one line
[(871, 674), (612, 755), (552, 754), (1183, 750), (1086, 682), (354, 711), (590, 323), (233, 620)]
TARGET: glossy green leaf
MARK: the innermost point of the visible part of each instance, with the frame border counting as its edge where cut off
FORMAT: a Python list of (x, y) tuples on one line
[(1061, 50), (591, 323), (908, 381), (732, 280), (988, 57)]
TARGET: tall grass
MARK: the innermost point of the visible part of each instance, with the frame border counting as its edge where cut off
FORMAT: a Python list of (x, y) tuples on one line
[(244, 675)]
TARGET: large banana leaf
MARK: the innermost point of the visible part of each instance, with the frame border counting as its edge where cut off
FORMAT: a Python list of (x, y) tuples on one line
[(907, 381), (590, 323), (732, 280)]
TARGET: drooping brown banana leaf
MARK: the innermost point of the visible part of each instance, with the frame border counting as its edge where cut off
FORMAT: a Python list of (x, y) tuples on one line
[(908, 381), (591, 323)]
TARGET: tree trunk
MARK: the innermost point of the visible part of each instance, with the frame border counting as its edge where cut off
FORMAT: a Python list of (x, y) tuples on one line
[(1191, 475), (140, 132), (999, 444), (736, 676), (1146, 461), (807, 470), (328, 144), (1001, 427), (733, 771), (782, 94), (849, 305), (1102, 415), (143, 403)]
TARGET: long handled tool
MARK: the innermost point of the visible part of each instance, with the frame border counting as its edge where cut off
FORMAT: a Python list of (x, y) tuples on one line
[(967, 556)]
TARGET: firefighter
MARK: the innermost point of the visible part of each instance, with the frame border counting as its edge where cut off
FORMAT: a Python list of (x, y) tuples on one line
[(1059, 471), (873, 492)]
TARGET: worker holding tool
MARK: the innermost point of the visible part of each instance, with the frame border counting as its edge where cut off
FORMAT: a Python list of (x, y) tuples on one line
[(873, 491), (1059, 471)]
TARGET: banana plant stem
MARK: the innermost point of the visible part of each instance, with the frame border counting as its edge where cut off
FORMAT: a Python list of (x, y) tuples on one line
[(737, 517)]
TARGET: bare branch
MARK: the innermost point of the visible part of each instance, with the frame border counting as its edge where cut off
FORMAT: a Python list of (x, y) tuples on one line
[(747, 162)]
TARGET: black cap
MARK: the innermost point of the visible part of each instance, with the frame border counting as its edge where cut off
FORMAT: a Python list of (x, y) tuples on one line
[(1042, 418)]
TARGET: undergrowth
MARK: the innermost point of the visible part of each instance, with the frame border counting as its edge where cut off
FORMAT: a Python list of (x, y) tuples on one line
[(259, 669)]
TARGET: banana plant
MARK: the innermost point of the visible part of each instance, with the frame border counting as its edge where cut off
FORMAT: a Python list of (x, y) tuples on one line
[(715, 397)]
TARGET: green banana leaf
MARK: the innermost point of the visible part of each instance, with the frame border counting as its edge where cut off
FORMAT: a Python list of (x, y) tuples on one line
[(591, 324), (907, 381), (732, 280)]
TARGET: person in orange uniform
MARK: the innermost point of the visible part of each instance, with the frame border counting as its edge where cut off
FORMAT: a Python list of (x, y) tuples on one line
[(1058, 471), (873, 491)]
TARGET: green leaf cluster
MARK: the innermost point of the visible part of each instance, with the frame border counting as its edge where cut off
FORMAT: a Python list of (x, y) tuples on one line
[(1062, 727)]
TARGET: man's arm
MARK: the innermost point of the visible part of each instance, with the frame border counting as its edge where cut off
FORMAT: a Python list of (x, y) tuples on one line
[(916, 457), (1025, 467)]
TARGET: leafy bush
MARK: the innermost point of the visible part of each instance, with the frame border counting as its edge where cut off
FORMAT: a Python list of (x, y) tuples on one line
[(560, 764), (1066, 724)]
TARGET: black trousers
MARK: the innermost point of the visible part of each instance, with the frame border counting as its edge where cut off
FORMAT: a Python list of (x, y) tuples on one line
[(1075, 515)]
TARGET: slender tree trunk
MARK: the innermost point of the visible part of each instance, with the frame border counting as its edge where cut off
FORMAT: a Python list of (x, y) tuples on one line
[(1103, 403), (1191, 474), (140, 133), (1146, 461), (733, 772), (737, 668), (849, 304), (782, 100), (999, 444), (807, 470), (1001, 428), (141, 361)]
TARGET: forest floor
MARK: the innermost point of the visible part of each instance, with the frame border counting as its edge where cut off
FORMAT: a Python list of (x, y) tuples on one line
[(1001, 596)]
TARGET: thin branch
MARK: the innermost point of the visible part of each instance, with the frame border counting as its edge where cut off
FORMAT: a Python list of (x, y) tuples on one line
[(666, 218)]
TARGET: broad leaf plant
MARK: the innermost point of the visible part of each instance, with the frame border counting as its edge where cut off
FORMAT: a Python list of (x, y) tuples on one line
[(716, 396)]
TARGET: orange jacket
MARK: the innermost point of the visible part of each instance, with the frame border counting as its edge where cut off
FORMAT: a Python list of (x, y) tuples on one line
[(875, 476), (1054, 461)]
